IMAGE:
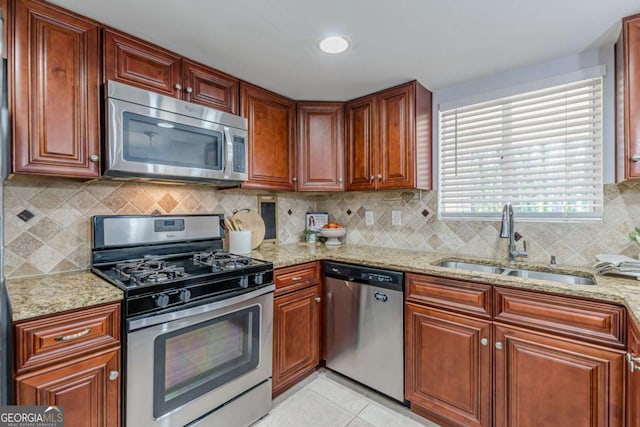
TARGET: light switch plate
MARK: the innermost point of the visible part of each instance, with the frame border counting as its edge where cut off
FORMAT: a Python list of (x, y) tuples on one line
[(368, 217), (396, 217)]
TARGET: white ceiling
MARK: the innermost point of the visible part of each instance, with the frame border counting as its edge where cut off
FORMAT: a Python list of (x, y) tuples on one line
[(273, 43)]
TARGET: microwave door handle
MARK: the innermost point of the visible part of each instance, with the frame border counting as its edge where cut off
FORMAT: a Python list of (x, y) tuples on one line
[(228, 153)]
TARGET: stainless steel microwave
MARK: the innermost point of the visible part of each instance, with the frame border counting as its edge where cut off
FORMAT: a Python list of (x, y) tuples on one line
[(158, 137)]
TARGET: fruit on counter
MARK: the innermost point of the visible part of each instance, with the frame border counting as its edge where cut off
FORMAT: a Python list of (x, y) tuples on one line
[(332, 225)]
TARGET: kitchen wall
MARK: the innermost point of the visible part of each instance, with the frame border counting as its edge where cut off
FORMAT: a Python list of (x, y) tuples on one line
[(571, 243), (56, 235)]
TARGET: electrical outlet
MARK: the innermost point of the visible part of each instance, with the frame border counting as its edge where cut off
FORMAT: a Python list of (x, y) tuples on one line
[(396, 217), (368, 217)]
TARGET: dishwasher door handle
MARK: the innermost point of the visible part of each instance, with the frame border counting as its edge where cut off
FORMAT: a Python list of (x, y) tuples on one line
[(381, 297)]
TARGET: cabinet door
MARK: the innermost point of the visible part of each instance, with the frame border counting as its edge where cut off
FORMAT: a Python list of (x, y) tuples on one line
[(633, 377), (296, 341), (271, 138), (448, 366), (209, 87), (631, 107), (84, 388), (396, 133), (361, 134), (543, 380), (320, 146), (55, 92), (137, 63)]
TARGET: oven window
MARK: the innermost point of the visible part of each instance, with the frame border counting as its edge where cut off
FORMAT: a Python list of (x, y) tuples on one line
[(192, 361), (161, 142)]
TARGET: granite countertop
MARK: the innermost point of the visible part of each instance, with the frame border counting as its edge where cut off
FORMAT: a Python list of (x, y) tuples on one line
[(53, 293), (608, 288)]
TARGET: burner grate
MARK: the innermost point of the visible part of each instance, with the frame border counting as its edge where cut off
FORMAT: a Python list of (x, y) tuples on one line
[(149, 271), (221, 261)]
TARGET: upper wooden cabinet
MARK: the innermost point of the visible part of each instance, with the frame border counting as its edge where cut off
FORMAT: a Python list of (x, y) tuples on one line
[(628, 100), (271, 138), (54, 89), (320, 146), (135, 62), (633, 374), (389, 139)]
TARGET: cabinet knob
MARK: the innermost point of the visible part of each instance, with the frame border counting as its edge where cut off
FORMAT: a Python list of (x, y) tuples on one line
[(113, 375), (188, 89), (178, 86), (379, 176), (484, 341), (499, 345), (294, 179), (371, 178), (318, 299), (632, 360), (635, 158), (94, 158), (339, 179)]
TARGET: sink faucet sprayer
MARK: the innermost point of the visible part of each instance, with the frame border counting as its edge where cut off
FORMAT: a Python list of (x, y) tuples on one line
[(507, 231)]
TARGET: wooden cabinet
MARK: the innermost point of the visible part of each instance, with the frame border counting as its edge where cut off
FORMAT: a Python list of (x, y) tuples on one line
[(271, 138), (633, 374), (628, 100), (389, 139), (72, 360), (135, 62), (543, 380), (320, 146), (296, 324), (85, 388), (54, 90), (510, 357), (448, 368)]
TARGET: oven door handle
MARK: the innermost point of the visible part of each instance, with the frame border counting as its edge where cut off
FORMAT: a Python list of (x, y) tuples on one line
[(135, 324)]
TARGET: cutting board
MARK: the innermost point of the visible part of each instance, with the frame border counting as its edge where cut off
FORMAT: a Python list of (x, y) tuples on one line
[(251, 220)]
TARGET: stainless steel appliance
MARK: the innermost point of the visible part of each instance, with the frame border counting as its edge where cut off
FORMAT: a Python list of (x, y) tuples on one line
[(364, 326), (158, 137), (198, 322)]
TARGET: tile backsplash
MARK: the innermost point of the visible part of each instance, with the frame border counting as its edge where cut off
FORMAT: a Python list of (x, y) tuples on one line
[(58, 235), (572, 243)]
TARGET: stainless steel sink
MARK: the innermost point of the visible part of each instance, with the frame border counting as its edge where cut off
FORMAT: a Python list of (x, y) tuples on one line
[(480, 268), (555, 277), (518, 272)]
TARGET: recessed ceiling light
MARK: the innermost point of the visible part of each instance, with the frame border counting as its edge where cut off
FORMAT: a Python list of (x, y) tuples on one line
[(334, 44)]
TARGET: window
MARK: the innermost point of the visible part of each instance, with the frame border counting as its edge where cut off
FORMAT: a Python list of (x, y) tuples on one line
[(540, 151)]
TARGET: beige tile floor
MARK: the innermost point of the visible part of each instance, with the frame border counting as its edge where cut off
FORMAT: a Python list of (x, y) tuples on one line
[(329, 400)]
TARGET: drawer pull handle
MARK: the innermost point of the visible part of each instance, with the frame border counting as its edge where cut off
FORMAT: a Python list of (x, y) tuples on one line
[(113, 375), (73, 336), (296, 279)]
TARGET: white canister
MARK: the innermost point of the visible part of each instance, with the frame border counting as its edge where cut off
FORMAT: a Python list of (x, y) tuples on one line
[(240, 242)]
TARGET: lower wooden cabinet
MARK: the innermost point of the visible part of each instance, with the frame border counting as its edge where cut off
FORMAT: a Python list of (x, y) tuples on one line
[(544, 380), (633, 375), (448, 369), (296, 337), (88, 389)]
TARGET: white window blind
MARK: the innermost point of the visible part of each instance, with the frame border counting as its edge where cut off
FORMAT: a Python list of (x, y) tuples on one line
[(540, 151)]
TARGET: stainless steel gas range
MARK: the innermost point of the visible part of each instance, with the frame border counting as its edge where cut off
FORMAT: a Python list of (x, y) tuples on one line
[(198, 321)]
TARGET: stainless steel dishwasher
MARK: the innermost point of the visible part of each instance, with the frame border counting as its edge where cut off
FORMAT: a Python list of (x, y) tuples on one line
[(364, 326)]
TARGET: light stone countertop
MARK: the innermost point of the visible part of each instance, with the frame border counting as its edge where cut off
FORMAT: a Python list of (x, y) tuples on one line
[(608, 288), (53, 293)]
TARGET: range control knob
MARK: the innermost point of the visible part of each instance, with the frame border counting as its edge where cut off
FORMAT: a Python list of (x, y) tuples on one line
[(244, 282), (162, 300), (185, 295), (259, 279)]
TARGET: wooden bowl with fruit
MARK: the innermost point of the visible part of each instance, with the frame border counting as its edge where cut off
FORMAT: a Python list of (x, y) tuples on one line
[(332, 231)]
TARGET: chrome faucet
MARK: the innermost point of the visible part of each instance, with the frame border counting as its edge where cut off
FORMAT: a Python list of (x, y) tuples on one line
[(507, 231)]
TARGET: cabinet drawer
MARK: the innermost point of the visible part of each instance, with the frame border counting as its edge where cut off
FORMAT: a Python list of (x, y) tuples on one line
[(296, 277), (465, 297), (59, 337), (596, 322)]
